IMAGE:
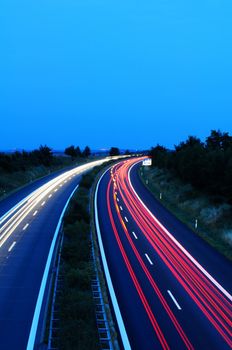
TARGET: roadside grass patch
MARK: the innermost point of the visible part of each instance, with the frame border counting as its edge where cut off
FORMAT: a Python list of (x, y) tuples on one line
[(188, 204), (78, 329)]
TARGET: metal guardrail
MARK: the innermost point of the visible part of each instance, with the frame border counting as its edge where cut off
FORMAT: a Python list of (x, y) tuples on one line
[(100, 312)]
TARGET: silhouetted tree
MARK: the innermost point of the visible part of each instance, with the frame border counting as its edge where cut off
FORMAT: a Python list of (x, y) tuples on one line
[(86, 152), (70, 151), (44, 155), (114, 151), (78, 151), (218, 140), (207, 166), (160, 156)]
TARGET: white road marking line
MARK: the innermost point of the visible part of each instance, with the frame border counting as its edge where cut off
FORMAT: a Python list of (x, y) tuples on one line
[(35, 321), (65, 181), (35, 212), (55, 189), (121, 326), (196, 263), (121, 207), (25, 227), (50, 195), (118, 199), (61, 185), (28, 204), (134, 235), (126, 219), (43, 203), (12, 246), (146, 255), (174, 300)]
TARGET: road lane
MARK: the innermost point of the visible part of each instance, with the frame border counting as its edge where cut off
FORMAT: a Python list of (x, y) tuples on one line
[(204, 318), (25, 241)]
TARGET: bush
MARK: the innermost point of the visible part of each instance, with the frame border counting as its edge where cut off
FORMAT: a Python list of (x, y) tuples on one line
[(77, 311)]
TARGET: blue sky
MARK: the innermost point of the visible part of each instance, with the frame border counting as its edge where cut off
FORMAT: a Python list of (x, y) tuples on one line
[(114, 73)]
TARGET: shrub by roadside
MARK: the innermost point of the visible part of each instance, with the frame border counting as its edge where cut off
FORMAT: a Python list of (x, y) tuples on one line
[(77, 316), (78, 328), (188, 204)]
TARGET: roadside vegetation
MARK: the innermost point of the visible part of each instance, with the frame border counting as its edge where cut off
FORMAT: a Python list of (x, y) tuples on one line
[(194, 182), (77, 316), (20, 168), (77, 326)]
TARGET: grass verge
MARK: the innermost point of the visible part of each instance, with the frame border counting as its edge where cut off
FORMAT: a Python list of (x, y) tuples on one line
[(77, 322), (11, 182), (214, 220)]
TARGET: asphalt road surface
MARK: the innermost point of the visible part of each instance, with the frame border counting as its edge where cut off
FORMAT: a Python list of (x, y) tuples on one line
[(28, 232), (169, 289)]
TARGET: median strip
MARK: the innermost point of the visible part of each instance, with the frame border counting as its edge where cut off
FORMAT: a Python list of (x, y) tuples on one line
[(76, 299)]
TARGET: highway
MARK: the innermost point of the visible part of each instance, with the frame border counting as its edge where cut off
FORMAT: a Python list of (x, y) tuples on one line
[(169, 289), (29, 225)]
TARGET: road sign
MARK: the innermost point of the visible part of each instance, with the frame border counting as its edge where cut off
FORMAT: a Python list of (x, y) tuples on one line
[(147, 162)]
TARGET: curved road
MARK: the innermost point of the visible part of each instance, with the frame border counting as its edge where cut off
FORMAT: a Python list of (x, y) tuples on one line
[(28, 232), (169, 289)]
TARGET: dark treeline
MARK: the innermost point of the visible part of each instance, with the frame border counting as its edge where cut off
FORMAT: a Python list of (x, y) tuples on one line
[(21, 161), (206, 165), (75, 152), (43, 156)]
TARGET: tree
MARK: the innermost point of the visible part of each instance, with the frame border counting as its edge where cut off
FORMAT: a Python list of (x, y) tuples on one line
[(160, 156), (114, 151), (86, 152), (71, 151), (78, 151), (44, 155), (191, 142), (218, 140)]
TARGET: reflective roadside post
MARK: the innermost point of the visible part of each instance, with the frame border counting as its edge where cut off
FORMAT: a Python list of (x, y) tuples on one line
[(196, 223)]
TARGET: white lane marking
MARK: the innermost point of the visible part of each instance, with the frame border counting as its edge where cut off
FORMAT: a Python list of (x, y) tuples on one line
[(25, 227), (12, 210), (50, 195), (174, 300), (19, 212), (35, 321), (121, 326), (134, 235), (196, 263), (61, 185), (35, 212), (121, 207), (12, 246), (55, 189), (146, 255), (126, 219), (43, 203), (118, 199), (65, 181)]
